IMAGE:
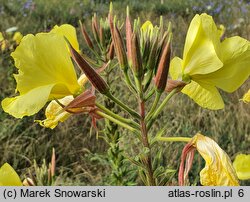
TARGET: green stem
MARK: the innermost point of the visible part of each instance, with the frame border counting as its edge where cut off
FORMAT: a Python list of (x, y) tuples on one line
[(160, 108), (174, 139), (116, 116), (157, 98), (128, 81), (149, 95), (122, 105), (116, 121)]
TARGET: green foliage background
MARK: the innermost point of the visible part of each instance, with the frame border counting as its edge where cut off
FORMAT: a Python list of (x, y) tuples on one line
[(81, 155)]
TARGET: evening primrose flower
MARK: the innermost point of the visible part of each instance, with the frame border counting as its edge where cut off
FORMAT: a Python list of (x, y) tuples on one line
[(242, 166), (45, 72), (8, 176), (209, 64), (218, 169)]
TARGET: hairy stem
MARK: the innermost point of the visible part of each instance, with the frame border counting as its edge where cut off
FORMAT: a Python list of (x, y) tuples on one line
[(144, 134)]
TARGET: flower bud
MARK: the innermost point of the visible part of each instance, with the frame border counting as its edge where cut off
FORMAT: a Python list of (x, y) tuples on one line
[(95, 28), (86, 36), (111, 52), (128, 36), (163, 67), (120, 49), (136, 56), (92, 75)]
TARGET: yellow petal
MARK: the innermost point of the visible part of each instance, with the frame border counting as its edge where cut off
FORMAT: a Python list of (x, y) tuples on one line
[(28, 103), (8, 176), (218, 170), (55, 114), (17, 37), (221, 30), (201, 47), (206, 96), (242, 166), (246, 97), (235, 54), (43, 59), (45, 72), (175, 68), (69, 32)]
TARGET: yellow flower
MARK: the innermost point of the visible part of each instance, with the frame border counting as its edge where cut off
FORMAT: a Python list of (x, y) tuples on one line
[(45, 72), (218, 169), (246, 97), (68, 31), (242, 166), (17, 37), (54, 112), (8, 176), (209, 64)]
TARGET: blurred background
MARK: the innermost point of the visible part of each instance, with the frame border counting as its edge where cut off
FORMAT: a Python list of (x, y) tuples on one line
[(81, 155)]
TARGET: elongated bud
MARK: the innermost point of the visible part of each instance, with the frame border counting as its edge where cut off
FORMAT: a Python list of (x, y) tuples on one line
[(101, 34), (120, 49), (111, 52), (95, 28), (86, 36), (163, 67), (53, 163), (92, 75), (128, 35), (136, 56)]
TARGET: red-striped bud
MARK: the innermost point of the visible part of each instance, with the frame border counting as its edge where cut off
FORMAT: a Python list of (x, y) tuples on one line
[(92, 75), (163, 67), (136, 56), (86, 36)]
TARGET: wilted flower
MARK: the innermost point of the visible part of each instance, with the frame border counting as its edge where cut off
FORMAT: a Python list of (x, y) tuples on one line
[(209, 64), (242, 166), (55, 112), (218, 170), (45, 72), (8, 176)]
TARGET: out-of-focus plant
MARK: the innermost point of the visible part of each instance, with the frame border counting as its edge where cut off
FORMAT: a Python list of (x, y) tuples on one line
[(144, 59), (10, 39)]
